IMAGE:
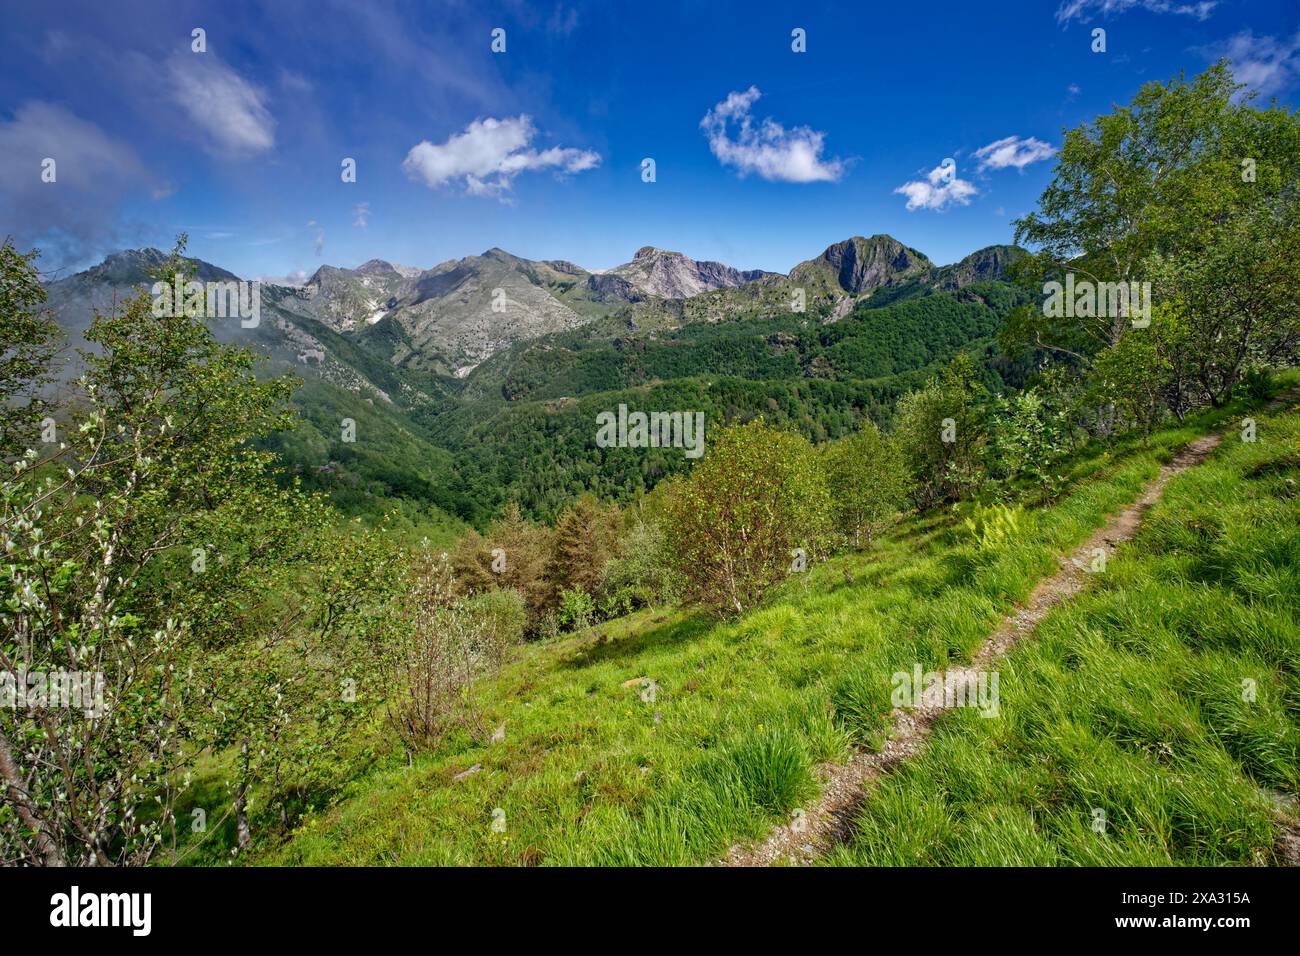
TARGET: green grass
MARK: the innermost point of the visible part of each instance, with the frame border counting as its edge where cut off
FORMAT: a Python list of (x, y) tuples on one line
[(1131, 699), (590, 773)]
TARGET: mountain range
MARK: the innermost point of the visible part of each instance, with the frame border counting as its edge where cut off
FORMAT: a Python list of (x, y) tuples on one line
[(447, 320), (475, 380)]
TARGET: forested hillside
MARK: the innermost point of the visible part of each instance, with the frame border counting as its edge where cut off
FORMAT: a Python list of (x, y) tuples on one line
[(533, 442)]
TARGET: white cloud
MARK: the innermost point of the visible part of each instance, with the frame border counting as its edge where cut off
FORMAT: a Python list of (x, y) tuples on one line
[(1085, 9), (229, 112), (767, 148), (934, 194), (295, 82), (489, 154), (296, 278), (77, 215), (318, 236), (362, 212), (1265, 65), (1012, 151), (85, 154)]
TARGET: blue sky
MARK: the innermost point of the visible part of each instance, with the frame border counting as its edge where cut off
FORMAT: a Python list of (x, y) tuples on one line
[(763, 156)]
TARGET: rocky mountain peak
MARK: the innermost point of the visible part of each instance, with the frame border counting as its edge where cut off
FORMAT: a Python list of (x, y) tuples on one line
[(377, 267), (134, 257), (134, 266), (982, 265), (860, 264), (673, 275), (321, 275)]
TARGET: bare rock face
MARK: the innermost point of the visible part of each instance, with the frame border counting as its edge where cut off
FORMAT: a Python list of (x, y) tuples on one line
[(460, 313), (982, 265), (859, 265), (450, 318), (672, 275), (378, 268), (607, 287), (347, 300)]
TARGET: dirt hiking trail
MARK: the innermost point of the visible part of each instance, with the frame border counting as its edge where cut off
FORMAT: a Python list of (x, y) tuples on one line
[(829, 821)]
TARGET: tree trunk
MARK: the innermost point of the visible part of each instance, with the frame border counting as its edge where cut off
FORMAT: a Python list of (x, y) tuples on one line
[(244, 836), (51, 852)]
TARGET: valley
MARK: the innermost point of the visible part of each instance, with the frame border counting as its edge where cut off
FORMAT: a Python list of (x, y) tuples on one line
[(571, 345)]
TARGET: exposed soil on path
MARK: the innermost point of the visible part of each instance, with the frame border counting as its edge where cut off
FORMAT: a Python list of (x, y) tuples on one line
[(845, 786)]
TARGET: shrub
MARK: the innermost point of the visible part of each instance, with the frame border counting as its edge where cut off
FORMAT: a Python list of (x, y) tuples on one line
[(643, 574), (434, 661), (941, 433), (502, 616), (1257, 383), (576, 610), (755, 498), (867, 481), (1030, 434), (1131, 375)]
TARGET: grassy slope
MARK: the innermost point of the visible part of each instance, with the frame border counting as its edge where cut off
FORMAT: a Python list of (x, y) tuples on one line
[(745, 709), (1131, 701)]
